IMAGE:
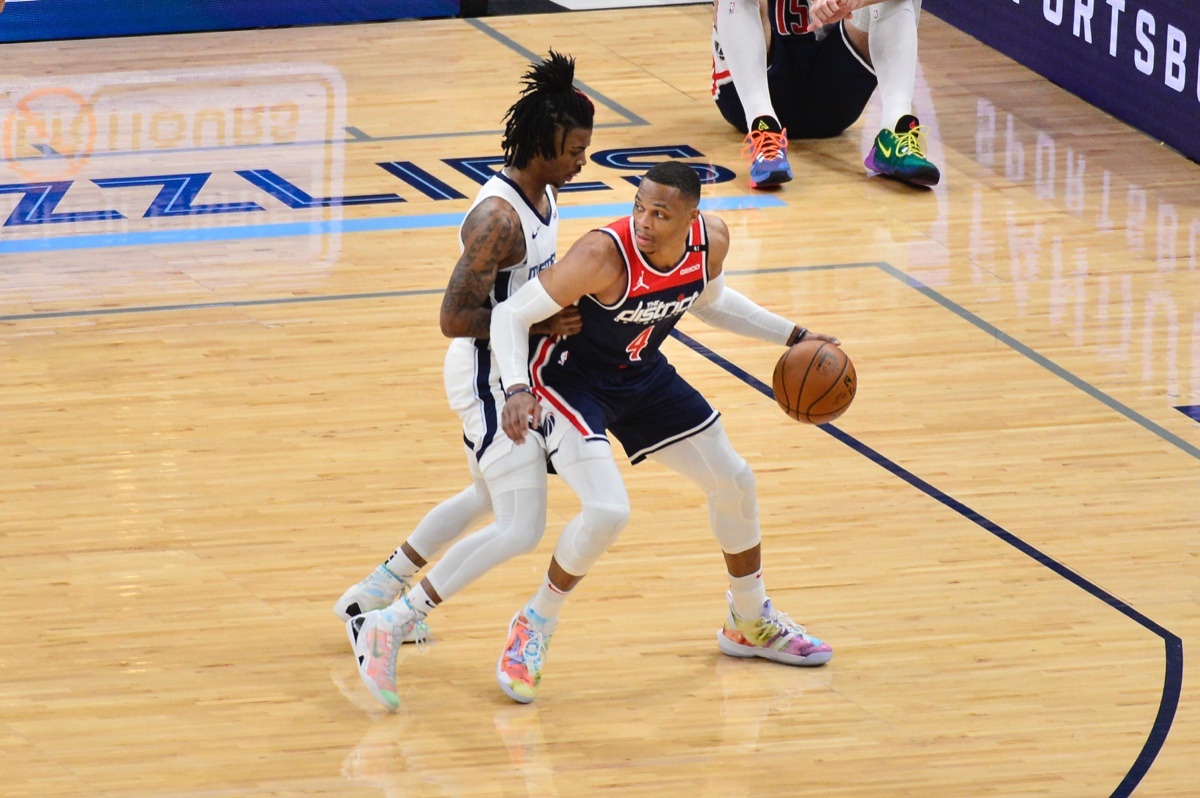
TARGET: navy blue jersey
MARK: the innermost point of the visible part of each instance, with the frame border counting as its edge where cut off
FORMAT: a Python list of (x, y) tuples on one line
[(628, 333)]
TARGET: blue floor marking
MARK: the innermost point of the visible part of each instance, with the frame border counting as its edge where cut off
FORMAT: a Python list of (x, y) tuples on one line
[(1173, 679), (336, 226)]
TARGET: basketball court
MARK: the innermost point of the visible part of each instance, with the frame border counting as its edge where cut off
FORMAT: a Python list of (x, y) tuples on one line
[(222, 400)]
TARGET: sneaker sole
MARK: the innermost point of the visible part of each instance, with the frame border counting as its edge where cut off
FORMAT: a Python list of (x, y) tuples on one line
[(912, 181), (733, 649), (773, 179), (508, 691)]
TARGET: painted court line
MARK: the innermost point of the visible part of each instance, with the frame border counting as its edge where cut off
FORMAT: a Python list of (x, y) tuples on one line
[(428, 221), (1173, 645)]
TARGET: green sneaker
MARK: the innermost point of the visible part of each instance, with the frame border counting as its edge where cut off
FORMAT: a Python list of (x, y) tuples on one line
[(901, 154)]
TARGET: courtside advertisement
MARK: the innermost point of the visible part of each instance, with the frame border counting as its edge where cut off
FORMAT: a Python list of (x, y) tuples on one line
[(1137, 59)]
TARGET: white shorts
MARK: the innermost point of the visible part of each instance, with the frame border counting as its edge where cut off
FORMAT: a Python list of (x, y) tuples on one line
[(472, 380)]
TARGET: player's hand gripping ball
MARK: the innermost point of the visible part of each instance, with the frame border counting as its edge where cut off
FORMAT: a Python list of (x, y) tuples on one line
[(814, 382)]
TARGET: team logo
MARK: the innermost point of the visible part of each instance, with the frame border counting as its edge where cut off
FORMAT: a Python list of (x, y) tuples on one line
[(657, 310)]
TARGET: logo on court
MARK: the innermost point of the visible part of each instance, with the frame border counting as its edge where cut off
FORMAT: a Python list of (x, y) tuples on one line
[(58, 123)]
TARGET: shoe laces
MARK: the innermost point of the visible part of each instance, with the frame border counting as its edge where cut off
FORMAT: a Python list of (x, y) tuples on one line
[(764, 145), (909, 142), (535, 642), (421, 638), (785, 622)]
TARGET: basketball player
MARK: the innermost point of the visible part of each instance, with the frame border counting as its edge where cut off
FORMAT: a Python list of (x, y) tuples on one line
[(807, 68), (508, 236), (633, 280)]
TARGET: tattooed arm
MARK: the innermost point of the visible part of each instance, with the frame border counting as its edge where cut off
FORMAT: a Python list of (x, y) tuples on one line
[(492, 240)]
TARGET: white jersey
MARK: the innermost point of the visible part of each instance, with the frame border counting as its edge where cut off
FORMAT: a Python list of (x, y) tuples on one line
[(471, 373), (541, 235)]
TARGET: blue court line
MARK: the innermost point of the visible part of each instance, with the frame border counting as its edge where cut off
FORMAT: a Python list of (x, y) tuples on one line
[(336, 226), (1173, 645), (1191, 411)]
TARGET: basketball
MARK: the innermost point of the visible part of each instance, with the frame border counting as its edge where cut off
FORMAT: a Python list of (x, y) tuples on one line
[(814, 382)]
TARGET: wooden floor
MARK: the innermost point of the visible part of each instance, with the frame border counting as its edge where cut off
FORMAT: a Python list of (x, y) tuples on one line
[(214, 423)]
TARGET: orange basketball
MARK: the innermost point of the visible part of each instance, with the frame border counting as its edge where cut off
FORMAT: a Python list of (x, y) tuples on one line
[(814, 382)]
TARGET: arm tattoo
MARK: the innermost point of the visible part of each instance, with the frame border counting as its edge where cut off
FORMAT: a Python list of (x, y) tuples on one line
[(492, 242)]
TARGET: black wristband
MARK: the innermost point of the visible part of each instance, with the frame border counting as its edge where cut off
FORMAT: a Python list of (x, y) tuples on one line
[(515, 391), (797, 336)]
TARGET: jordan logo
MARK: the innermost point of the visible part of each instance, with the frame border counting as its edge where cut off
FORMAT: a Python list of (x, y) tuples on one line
[(641, 283)]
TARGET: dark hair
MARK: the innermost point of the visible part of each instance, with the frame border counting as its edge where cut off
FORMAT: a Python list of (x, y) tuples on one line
[(548, 102), (676, 175)]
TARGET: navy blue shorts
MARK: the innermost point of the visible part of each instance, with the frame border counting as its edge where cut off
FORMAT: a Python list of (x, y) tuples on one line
[(647, 408), (818, 87)]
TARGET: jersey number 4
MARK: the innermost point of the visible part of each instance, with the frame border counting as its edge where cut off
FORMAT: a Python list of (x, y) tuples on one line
[(791, 17), (638, 344)]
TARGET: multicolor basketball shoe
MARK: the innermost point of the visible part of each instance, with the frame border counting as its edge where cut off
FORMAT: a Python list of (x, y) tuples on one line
[(901, 154), (519, 669), (772, 635), (375, 592), (766, 149), (376, 637)]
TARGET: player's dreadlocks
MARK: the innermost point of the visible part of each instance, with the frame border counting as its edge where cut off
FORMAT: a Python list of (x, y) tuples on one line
[(548, 103)]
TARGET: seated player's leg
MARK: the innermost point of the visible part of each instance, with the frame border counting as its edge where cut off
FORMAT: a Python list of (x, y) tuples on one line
[(899, 148), (740, 35), (753, 628), (587, 466)]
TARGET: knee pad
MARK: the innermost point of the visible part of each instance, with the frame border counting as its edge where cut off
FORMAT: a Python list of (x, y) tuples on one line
[(733, 511), (589, 534), (602, 523), (737, 494)]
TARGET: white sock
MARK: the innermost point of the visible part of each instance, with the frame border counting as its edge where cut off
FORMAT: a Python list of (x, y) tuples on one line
[(542, 610), (399, 612), (740, 33), (893, 45), (399, 566), (419, 601), (749, 594)]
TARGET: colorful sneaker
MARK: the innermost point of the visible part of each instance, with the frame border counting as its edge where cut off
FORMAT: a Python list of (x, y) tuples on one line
[(375, 592), (901, 154), (767, 152), (519, 669), (772, 635), (376, 636)]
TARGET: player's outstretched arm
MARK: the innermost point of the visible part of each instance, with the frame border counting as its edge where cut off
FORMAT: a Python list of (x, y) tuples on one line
[(589, 267), (726, 309)]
